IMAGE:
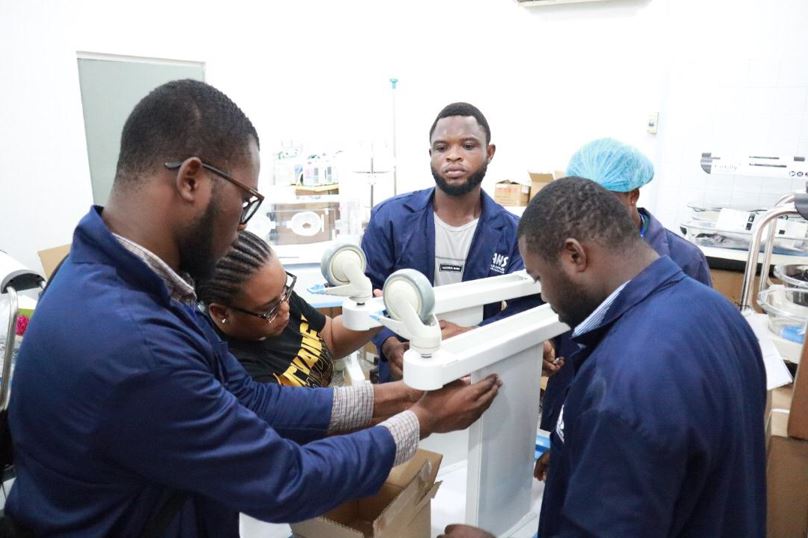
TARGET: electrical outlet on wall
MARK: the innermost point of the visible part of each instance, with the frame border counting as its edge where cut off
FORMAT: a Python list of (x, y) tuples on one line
[(653, 122)]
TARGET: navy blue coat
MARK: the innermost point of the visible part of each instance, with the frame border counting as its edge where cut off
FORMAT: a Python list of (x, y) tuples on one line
[(401, 235), (122, 395), (661, 432), (666, 243), (685, 254)]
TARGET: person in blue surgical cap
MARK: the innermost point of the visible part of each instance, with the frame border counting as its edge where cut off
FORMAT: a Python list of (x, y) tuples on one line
[(623, 170)]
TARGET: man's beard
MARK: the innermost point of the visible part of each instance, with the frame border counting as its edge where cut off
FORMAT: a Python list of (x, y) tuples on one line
[(196, 251), (576, 306), (470, 184)]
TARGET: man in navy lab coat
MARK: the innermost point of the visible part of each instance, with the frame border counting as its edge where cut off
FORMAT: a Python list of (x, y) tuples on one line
[(661, 432), (622, 170), (452, 232)]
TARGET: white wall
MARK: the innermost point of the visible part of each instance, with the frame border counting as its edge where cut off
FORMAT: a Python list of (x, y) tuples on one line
[(548, 79), (738, 87)]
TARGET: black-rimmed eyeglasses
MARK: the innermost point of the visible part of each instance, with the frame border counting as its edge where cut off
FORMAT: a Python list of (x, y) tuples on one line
[(272, 312), (249, 207)]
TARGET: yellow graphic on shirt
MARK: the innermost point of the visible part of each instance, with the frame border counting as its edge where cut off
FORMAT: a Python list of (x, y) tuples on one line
[(308, 368)]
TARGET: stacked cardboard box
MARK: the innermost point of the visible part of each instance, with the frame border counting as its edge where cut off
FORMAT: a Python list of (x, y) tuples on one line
[(512, 194), (787, 459)]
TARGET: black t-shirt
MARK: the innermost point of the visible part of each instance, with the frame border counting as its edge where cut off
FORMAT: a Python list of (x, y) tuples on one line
[(297, 357)]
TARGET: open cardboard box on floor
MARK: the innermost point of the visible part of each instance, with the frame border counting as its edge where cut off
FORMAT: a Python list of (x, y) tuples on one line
[(401, 509)]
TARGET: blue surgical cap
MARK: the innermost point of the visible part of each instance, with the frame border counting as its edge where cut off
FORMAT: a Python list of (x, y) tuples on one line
[(615, 166)]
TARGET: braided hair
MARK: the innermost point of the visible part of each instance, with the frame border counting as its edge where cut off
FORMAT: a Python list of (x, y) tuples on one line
[(248, 254)]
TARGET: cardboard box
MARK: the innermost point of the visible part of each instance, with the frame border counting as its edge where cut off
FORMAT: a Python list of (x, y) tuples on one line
[(779, 398), (798, 418), (304, 190), (787, 480), (539, 180), (729, 284), (511, 193), (52, 257), (401, 509)]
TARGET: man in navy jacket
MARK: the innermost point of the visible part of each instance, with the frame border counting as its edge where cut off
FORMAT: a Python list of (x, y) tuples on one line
[(661, 431), (481, 233), (622, 170), (125, 403)]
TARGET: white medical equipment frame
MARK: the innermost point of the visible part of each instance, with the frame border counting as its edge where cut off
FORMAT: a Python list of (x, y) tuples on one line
[(501, 443)]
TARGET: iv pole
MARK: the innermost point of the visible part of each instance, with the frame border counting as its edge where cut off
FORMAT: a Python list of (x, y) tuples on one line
[(393, 83)]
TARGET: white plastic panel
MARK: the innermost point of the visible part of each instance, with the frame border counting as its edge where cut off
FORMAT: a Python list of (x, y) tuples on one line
[(502, 445), (460, 303), (481, 348)]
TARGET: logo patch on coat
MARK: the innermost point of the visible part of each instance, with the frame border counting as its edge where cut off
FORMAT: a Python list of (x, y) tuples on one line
[(560, 425), (499, 263)]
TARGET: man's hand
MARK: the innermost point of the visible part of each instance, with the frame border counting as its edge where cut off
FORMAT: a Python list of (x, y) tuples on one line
[(541, 467), (550, 363), (456, 406), (464, 531), (393, 398), (394, 349), (449, 329)]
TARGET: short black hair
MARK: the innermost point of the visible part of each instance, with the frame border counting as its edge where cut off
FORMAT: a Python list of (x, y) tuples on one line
[(574, 207), (181, 119), (462, 109), (247, 255)]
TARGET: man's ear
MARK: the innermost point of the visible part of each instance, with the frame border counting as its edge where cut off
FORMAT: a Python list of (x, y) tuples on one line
[(188, 178), (574, 255), (490, 150)]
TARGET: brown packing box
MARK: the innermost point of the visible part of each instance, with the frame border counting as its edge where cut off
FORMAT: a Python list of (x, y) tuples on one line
[(511, 193), (787, 480), (729, 284), (539, 180), (798, 418), (401, 509), (51, 257), (779, 398)]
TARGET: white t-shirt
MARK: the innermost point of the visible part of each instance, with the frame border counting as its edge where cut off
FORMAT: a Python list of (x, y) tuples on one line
[(452, 244)]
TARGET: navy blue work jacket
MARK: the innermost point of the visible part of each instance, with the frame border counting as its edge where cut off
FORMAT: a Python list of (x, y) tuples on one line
[(662, 430), (666, 243), (122, 395), (401, 235), (684, 253)]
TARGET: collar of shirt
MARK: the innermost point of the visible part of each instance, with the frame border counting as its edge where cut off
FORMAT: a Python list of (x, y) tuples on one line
[(599, 313), (180, 287)]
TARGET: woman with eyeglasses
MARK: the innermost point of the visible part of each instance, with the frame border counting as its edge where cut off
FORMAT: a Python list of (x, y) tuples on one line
[(276, 335)]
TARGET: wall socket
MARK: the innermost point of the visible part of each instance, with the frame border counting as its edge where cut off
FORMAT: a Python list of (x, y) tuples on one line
[(653, 122)]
